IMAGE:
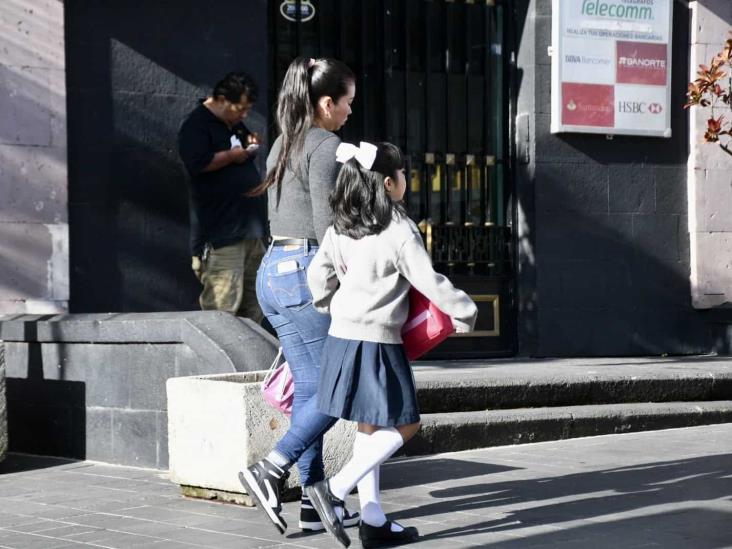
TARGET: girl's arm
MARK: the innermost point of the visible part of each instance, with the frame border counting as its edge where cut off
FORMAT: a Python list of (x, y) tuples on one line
[(415, 265), (322, 278)]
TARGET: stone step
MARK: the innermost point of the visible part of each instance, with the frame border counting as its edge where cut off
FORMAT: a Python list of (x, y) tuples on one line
[(451, 432), (471, 386), (197, 436)]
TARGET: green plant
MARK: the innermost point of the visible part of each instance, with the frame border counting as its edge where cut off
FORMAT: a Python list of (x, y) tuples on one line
[(713, 89)]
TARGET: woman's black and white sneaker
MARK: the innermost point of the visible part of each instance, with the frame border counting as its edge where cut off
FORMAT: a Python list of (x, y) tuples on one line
[(384, 536), (264, 481), (326, 504), (310, 520)]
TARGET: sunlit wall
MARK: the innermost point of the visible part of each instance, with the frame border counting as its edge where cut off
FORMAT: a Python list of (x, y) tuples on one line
[(710, 169), (33, 171)]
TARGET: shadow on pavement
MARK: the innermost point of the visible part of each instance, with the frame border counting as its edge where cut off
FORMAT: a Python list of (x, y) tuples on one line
[(691, 528), (19, 463), (595, 496), (399, 474)]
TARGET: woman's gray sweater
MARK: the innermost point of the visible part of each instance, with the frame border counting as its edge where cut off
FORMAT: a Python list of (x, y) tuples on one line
[(303, 211)]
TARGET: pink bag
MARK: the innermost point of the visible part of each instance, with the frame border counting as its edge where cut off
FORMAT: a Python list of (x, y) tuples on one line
[(426, 326), (278, 388)]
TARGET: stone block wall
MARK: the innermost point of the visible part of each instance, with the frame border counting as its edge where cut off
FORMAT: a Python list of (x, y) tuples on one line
[(602, 222), (3, 407), (93, 386), (33, 175), (710, 169)]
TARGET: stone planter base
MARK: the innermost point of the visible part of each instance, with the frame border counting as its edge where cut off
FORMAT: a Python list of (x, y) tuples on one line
[(220, 495), (218, 424)]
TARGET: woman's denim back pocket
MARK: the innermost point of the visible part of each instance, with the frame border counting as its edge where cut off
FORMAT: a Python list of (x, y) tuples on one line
[(288, 282)]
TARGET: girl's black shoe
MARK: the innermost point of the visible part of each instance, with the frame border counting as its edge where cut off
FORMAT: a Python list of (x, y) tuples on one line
[(310, 520), (382, 536), (325, 504)]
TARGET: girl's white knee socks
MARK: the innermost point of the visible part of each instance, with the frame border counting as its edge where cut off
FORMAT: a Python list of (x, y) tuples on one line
[(368, 495), (369, 451)]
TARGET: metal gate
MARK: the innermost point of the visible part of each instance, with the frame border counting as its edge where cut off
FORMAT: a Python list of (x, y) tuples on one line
[(432, 78)]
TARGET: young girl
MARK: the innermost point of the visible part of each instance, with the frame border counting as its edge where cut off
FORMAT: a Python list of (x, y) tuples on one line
[(368, 260)]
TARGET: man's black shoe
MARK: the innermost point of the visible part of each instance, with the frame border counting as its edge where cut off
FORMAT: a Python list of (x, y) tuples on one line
[(325, 504), (264, 481), (382, 536)]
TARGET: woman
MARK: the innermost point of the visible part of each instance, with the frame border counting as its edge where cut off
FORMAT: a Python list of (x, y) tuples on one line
[(314, 101)]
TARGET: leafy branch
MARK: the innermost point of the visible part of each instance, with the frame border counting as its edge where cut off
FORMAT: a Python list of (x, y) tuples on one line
[(713, 89)]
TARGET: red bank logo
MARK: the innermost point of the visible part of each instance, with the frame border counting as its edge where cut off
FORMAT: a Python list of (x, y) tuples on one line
[(655, 108), (588, 105), (641, 63)]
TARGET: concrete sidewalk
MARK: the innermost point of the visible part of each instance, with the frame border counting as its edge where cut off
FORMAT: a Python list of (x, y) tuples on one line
[(666, 489)]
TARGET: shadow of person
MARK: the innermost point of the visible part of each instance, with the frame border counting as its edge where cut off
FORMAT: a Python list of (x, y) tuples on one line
[(669, 496)]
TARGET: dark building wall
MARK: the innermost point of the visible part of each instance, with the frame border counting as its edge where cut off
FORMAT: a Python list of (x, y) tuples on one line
[(134, 70), (604, 250), (603, 246)]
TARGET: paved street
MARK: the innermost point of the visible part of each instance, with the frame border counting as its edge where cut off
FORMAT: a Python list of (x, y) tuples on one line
[(666, 489)]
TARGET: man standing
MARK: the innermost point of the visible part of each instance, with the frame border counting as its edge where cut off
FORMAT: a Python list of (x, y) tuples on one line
[(227, 227)]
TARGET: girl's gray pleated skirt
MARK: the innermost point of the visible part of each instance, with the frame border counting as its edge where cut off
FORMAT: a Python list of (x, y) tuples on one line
[(367, 382)]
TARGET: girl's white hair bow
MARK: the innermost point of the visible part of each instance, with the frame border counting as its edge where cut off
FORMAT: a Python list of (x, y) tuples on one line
[(365, 153)]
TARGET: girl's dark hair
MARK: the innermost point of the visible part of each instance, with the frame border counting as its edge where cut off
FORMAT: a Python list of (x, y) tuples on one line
[(361, 206), (301, 88), (234, 85)]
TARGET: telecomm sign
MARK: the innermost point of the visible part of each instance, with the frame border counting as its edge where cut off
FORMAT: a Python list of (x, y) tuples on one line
[(623, 10), (611, 66)]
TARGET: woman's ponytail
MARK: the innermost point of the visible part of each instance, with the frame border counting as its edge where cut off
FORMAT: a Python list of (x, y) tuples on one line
[(294, 117), (306, 81)]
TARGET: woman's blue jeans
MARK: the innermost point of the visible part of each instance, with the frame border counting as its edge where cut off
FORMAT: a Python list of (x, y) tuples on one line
[(286, 301)]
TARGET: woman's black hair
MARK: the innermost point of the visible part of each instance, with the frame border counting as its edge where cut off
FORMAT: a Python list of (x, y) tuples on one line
[(301, 88), (234, 85), (361, 206)]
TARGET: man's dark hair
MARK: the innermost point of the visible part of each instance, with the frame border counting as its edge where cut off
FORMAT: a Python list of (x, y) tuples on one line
[(234, 85), (360, 204)]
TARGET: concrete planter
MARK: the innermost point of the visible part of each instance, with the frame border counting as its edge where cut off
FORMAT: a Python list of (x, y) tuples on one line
[(217, 424)]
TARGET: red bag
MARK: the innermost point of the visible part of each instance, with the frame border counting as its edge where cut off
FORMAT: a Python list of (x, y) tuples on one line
[(426, 326)]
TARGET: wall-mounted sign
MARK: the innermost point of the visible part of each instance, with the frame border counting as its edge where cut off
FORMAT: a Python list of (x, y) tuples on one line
[(288, 9), (611, 66)]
